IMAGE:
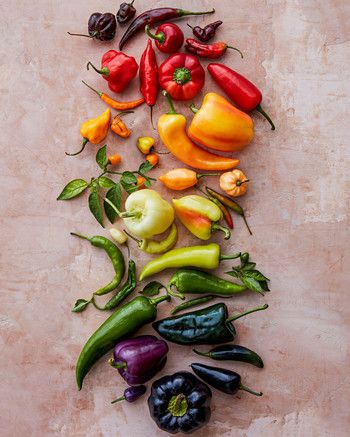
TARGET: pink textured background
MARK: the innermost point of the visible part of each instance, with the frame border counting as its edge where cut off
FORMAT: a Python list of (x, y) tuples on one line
[(298, 54)]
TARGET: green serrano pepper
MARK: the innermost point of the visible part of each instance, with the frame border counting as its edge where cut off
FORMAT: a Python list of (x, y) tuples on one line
[(121, 324), (114, 254)]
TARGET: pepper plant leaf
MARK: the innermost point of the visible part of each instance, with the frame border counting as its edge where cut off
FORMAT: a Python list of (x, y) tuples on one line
[(249, 266), (147, 183), (73, 189), (114, 194), (105, 182), (252, 284), (101, 157), (145, 167), (95, 206), (80, 305), (264, 285), (255, 274), (128, 181), (152, 289)]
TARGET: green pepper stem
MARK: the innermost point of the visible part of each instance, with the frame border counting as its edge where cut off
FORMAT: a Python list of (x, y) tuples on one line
[(202, 175), (239, 183), (127, 214), (99, 93), (160, 37), (203, 354), (183, 12), (170, 103), (170, 292), (83, 144), (253, 310), (111, 362), (262, 112), (121, 398), (81, 236), (193, 108), (249, 390), (139, 242), (124, 112), (111, 204), (191, 27), (226, 231), (157, 300), (95, 304), (246, 223), (233, 256), (235, 48), (104, 71), (82, 34)]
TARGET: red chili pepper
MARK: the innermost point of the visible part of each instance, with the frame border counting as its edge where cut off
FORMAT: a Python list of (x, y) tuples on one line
[(182, 76), (239, 89), (169, 37), (149, 75), (213, 51), (117, 69)]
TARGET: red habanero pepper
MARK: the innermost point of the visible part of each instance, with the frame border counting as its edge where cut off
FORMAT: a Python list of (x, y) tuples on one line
[(117, 69), (149, 76), (239, 89), (169, 37), (213, 51)]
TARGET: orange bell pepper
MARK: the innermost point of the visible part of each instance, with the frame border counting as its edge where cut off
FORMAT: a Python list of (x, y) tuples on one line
[(220, 126)]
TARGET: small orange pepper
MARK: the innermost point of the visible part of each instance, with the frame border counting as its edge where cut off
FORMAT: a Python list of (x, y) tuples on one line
[(119, 127), (114, 159), (182, 178), (153, 159), (140, 182), (234, 183)]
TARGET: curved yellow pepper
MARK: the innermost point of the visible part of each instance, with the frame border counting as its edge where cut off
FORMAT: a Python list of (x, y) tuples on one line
[(221, 126)]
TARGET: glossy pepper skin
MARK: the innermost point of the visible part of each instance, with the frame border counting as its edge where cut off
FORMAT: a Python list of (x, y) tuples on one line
[(200, 216), (209, 325), (224, 380), (119, 127), (211, 51), (154, 16), (100, 26), (179, 179), (239, 89), (155, 246), (126, 12), (233, 352), (149, 75), (138, 359), (172, 132), (221, 126), (234, 183), (131, 394), (124, 322), (94, 131), (206, 33), (181, 76), (118, 69), (168, 37), (180, 403)]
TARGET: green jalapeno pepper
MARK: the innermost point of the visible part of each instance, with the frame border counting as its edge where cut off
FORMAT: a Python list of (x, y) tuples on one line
[(210, 325), (115, 256), (153, 246), (124, 322), (205, 257)]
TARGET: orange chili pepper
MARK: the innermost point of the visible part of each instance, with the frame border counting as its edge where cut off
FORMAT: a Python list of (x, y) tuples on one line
[(119, 127), (153, 159), (140, 182), (114, 159), (181, 178), (121, 106)]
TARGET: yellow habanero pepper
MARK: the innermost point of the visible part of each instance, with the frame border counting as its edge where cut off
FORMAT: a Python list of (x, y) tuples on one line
[(220, 126), (234, 183), (94, 131)]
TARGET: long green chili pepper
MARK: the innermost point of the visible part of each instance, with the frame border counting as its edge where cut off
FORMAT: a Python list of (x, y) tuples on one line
[(192, 302), (230, 203), (128, 287), (114, 254)]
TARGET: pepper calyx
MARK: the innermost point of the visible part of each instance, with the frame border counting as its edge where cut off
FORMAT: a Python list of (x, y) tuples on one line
[(226, 231), (181, 75), (178, 405), (120, 365), (104, 71), (160, 36)]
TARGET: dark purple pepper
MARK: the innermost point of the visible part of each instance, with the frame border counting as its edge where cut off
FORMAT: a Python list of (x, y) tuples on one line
[(138, 359), (126, 12), (131, 394), (206, 33), (100, 26)]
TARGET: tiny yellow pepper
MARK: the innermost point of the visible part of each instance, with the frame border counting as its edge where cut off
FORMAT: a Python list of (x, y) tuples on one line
[(234, 183)]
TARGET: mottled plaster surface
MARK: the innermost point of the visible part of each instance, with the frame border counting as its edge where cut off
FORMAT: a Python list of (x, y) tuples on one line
[(298, 205)]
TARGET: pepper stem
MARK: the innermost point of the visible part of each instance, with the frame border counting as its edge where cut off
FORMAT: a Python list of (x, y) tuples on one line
[(226, 231), (112, 363), (202, 175), (160, 37), (234, 256), (170, 103), (82, 34), (246, 223), (139, 242), (249, 390), (239, 183), (127, 214), (157, 300), (170, 292), (83, 144), (80, 236), (253, 310), (99, 93), (183, 12), (111, 204), (193, 108), (121, 398), (203, 354), (191, 27), (237, 50), (104, 70), (123, 113), (262, 112)]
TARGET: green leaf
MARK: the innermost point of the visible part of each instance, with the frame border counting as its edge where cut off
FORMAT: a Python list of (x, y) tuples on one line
[(95, 206), (152, 289), (73, 189), (105, 182), (234, 272), (249, 266), (147, 183), (80, 305), (145, 167), (101, 157), (115, 196), (255, 274), (264, 285), (128, 181), (252, 284)]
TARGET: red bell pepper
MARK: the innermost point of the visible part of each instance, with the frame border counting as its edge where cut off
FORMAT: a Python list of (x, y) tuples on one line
[(239, 89), (169, 37), (182, 76), (213, 51), (117, 69), (149, 75)]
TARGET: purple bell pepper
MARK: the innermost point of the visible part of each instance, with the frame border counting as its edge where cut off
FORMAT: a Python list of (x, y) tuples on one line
[(131, 394), (138, 359)]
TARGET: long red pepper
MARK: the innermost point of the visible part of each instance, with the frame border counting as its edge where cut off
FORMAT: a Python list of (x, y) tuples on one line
[(213, 51), (149, 76), (239, 89)]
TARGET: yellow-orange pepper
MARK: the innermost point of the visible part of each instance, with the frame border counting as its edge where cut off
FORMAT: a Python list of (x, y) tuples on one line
[(145, 144), (182, 178), (172, 131), (94, 131), (234, 183), (152, 158), (221, 126), (114, 159), (140, 182), (119, 127)]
